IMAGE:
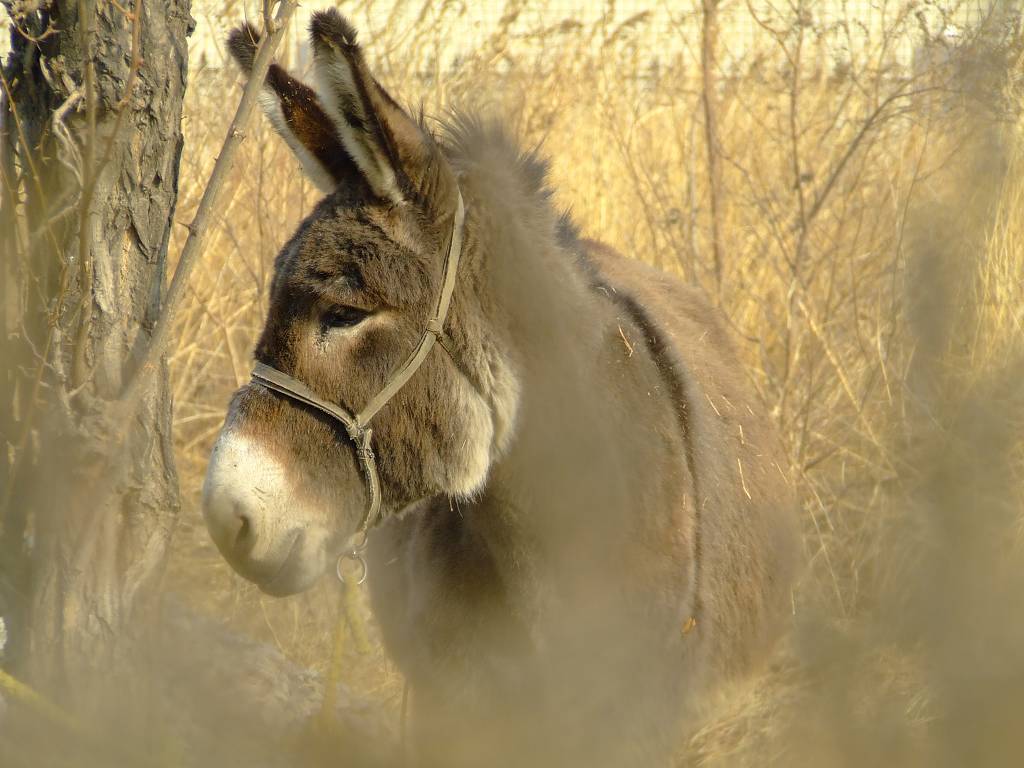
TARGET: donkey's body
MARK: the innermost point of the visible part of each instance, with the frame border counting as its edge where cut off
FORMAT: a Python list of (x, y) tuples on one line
[(590, 516), (634, 546)]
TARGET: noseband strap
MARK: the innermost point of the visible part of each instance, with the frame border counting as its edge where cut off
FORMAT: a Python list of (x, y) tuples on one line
[(357, 424), (361, 436)]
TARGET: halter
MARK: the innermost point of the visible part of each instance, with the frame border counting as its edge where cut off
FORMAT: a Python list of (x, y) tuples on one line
[(357, 425)]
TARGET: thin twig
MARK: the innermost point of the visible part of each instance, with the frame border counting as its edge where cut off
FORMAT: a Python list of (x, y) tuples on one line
[(21, 444), (709, 34)]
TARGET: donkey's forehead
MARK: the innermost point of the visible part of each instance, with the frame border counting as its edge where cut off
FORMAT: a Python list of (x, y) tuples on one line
[(374, 248)]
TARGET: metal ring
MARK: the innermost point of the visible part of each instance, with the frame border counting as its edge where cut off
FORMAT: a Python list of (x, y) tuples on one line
[(357, 557)]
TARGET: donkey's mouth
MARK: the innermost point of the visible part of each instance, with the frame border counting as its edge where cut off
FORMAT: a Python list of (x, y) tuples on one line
[(281, 582), (303, 563)]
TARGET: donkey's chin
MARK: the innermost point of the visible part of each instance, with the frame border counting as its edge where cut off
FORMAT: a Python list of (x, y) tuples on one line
[(291, 583), (305, 560), (297, 573)]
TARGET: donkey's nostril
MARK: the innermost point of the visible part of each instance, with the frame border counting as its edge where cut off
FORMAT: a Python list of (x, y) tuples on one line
[(231, 520), (245, 536), (243, 491)]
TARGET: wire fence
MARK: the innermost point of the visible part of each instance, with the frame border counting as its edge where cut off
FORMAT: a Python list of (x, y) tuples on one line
[(662, 28), (662, 33)]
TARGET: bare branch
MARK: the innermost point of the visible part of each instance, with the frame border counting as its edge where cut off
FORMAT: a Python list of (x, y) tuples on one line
[(709, 34)]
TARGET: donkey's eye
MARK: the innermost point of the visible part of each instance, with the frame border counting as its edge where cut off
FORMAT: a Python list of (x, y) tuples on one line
[(343, 317)]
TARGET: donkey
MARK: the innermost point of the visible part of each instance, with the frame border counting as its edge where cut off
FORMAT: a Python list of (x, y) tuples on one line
[(576, 509)]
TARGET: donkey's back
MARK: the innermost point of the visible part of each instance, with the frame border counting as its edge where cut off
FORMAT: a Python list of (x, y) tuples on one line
[(465, 619), (746, 509)]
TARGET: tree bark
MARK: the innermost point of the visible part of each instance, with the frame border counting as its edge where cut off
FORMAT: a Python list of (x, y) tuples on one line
[(91, 142)]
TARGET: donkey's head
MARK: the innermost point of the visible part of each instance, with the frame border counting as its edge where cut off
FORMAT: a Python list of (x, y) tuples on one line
[(350, 298)]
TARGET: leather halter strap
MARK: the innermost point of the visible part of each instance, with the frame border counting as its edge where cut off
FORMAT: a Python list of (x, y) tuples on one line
[(357, 424)]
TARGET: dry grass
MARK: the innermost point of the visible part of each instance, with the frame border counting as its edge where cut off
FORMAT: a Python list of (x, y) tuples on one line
[(870, 226)]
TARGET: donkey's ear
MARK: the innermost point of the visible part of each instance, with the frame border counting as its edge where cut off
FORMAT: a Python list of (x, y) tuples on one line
[(296, 113), (400, 161)]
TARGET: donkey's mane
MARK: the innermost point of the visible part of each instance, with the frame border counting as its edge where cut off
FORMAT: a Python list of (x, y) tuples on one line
[(486, 143)]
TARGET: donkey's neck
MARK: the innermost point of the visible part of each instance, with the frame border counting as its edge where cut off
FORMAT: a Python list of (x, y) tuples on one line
[(599, 435)]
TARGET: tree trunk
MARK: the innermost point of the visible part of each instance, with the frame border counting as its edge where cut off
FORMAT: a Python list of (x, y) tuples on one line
[(91, 142)]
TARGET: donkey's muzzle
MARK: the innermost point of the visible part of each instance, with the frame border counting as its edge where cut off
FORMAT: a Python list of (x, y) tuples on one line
[(252, 516)]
